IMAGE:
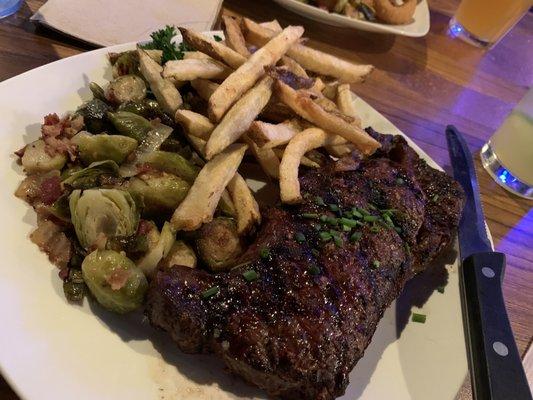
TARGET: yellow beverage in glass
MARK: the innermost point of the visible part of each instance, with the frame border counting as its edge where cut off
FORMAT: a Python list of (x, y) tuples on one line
[(485, 22)]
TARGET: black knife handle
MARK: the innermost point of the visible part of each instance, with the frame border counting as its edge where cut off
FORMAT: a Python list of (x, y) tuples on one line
[(495, 365)]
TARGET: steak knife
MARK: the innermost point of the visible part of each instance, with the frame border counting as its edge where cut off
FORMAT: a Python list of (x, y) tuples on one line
[(495, 366)]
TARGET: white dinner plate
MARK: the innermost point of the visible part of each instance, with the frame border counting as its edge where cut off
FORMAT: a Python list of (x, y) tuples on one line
[(417, 28), (50, 349)]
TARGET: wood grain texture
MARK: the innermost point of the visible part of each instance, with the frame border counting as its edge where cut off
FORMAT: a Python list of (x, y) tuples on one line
[(421, 85)]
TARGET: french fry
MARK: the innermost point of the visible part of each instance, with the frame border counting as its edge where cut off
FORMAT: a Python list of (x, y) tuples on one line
[(234, 36), (247, 74), (336, 123), (199, 205), (304, 141), (196, 55), (155, 55), (204, 88), (190, 69), (165, 92), (194, 124), (267, 135), (330, 90), (238, 119), (267, 158), (340, 149), (213, 48), (277, 112), (273, 25), (345, 102), (310, 59), (305, 161), (246, 207), (318, 86), (293, 66)]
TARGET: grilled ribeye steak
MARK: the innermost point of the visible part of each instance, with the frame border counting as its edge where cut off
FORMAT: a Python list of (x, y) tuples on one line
[(301, 325)]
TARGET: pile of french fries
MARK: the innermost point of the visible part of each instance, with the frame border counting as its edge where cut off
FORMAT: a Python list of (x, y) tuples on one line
[(244, 81)]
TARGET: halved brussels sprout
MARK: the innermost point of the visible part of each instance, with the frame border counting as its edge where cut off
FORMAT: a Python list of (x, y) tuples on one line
[(36, 159), (218, 244), (97, 91), (173, 163), (157, 251), (102, 213), (89, 177), (125, 63), (130, 124), (160, 192), (94, 115), (116, 282), (179, 254), (103, 147), (126, 88), (147, 108)]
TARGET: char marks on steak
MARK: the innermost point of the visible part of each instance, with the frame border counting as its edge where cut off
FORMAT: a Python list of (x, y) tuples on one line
[(299, 328)]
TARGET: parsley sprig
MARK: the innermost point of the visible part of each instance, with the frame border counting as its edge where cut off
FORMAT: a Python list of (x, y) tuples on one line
[(162, 40)]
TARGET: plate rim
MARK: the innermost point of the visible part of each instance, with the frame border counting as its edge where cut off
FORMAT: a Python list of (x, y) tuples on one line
[(325, 17)]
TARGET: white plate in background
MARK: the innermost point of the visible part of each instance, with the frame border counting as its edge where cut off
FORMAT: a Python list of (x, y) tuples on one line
[(419, 27), (51, 350)]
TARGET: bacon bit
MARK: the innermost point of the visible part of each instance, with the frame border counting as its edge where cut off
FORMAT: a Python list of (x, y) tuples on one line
[(51, 240), (21, 151), (51, 190), (118, 278), (63, 274), (56, 133), (144, 227)]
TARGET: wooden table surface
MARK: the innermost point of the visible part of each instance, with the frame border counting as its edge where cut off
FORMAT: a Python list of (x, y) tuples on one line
[(421, 85)]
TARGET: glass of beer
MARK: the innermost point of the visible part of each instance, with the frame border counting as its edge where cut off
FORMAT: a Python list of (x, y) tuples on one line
[(484, 22), (508, 155)]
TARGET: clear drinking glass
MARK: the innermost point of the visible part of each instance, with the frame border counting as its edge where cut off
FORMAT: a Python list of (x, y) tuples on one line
[(8, 7), (484, 22), (508, 155)]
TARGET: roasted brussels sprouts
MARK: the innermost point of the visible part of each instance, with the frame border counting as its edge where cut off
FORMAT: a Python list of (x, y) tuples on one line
[(126, 88), (130, 124), (149, 109), (160, 192), (179, 254), (218, 244), (98, 214), (36, 159), (91, 176), (74, 286), (94, 115), (173, 163), (125, 63), (114, 280), (97, 91), (158, 250), (103, 147)]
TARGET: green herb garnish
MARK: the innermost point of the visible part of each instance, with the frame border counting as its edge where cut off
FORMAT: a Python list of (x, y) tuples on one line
[(299, 237), (250, 275), (217, 38), (319, 201), (440, 289), (162, 40), (333, 207), (264, 253), (352, 223), (314, 269), (356, 213), (370, 218), (309, 215), (375, 264), (315, 252), (435, 198), (355, 236), (420, 318), (400, 181), (332, 221), (325, 236), (323, 218), (338, 241), (210, 292)]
